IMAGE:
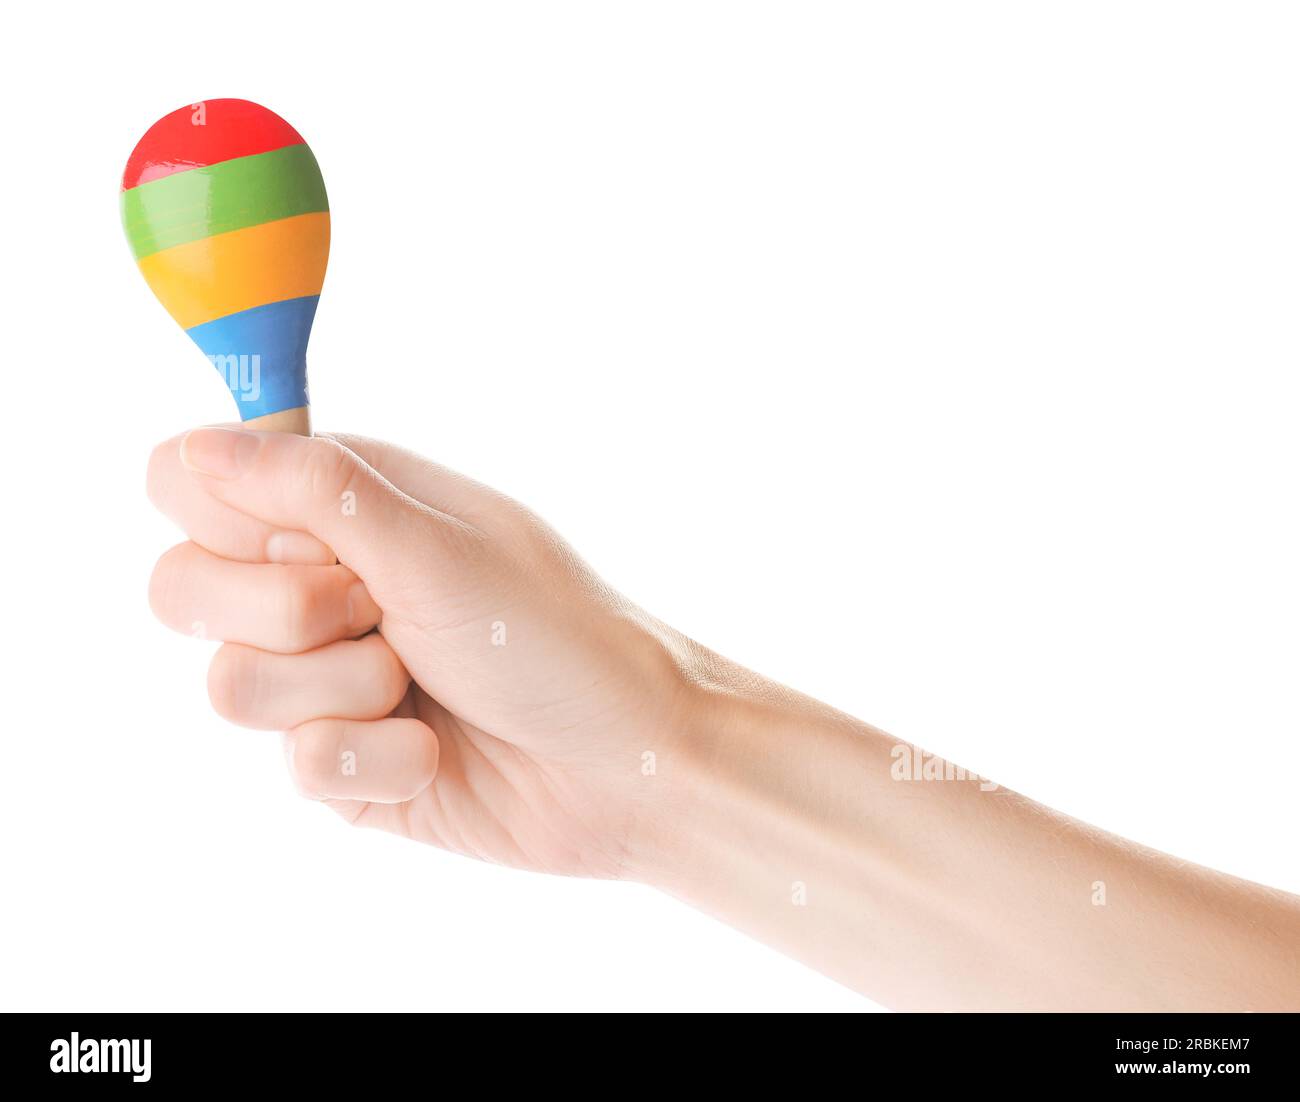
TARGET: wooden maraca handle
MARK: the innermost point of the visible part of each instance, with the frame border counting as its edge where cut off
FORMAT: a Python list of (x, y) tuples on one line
[(287, 420)]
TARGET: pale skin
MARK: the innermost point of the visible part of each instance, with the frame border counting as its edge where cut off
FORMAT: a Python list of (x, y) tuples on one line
[(445, 667)]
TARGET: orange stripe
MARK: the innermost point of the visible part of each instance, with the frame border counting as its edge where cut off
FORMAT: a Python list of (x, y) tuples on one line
[(207, 279)]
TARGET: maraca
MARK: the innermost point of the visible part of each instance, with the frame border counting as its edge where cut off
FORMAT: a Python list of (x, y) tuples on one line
[(225, 211)]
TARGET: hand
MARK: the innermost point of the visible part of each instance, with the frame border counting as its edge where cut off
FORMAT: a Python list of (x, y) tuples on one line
[(458, 675)]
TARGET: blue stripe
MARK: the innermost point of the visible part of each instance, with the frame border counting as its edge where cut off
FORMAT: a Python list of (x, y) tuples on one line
[(262, 354)]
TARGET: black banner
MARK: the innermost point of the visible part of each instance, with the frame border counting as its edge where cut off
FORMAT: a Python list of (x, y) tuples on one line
[(91, 1053)]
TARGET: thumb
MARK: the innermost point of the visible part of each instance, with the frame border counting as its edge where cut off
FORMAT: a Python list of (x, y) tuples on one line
[(314, 484)]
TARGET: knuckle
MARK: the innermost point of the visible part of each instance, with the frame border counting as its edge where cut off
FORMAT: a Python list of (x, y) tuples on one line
[(231, 679), (424, 764), (393, 677), (300, 602), (328, 471), (166, 583), (317, 756), (292, 611)]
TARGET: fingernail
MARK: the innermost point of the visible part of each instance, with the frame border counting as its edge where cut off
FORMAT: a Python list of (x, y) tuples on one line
[(299, 548), (219, 453), (362, 612)]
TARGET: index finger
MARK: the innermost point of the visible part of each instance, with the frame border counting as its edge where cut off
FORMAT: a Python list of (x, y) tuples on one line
[(221, 528)]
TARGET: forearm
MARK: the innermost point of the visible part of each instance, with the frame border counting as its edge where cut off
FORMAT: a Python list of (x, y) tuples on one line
[(814, 833)]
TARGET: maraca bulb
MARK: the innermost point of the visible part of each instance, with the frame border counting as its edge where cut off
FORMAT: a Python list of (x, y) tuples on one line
[(225, 211)]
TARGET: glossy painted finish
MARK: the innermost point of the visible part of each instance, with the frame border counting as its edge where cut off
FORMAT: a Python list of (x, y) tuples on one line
[(279, 331), (229, 195), (228, 272), (206, 133), (226, 213)]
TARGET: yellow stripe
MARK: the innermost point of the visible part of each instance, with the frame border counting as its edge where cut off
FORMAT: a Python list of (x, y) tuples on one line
[(215, 276)]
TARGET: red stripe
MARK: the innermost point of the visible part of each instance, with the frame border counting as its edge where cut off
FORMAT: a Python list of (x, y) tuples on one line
[(230, 128)]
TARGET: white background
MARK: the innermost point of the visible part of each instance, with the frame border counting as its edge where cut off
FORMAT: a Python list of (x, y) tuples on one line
[(938, 359)]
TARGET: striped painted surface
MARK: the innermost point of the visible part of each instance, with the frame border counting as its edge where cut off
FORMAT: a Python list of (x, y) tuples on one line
[(230, 195), (226, 213)]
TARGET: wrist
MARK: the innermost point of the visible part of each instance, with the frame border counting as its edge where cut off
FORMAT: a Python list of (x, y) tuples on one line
[(726, 776), (676, 752)]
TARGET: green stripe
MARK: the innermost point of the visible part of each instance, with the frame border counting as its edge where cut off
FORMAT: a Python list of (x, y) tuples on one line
[(229, 195)]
